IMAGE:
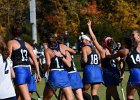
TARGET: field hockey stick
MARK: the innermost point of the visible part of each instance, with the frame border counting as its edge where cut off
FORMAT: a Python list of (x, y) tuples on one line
[(60, 94), (122, 91), (39, 98)]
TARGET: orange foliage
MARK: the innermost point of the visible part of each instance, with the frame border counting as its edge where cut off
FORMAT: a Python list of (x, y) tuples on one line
[(51, 19), (91, 9), (55, 20)]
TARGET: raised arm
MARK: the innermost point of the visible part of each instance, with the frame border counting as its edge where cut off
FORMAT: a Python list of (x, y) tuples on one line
[(95, 42)]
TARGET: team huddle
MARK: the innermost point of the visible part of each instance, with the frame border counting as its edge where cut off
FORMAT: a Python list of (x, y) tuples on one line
[(101, 64)]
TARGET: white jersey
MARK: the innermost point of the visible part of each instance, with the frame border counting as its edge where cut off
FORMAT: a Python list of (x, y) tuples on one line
[(43, 60), (6, 86)]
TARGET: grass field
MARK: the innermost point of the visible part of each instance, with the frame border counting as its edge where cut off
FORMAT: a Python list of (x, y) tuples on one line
[(101, 93)]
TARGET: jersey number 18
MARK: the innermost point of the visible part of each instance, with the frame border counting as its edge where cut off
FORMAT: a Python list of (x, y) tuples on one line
[(94, 59)]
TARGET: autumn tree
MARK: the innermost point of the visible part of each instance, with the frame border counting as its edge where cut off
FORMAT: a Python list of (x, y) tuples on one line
[(10, 12)]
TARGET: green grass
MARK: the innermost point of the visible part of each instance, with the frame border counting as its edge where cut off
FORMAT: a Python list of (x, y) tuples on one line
[(101, 93)]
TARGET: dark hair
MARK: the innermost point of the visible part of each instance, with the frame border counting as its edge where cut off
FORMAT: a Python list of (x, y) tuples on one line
[(16, 29), (60, 39), (128, 42), (108, 41), (137, 30), (52, 39), (5, 53), (3, 49), (2, 44)]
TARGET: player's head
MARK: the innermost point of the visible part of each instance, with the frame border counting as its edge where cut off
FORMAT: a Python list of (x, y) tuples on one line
[(60, 40), (52, 39), (85, 39), (108, 42), (16, 30), (136, 35)]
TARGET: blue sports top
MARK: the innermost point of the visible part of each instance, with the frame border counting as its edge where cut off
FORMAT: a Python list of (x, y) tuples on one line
[(20, 56), (133, 59)]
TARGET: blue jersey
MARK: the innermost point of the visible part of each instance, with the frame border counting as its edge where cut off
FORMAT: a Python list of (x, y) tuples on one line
[(56, 62), (108, 62), (133, 59), (73, 67), (21, 63), (111, 74), (20, 56), (74, 76), (58, 76), (92, 72), (93, 58)]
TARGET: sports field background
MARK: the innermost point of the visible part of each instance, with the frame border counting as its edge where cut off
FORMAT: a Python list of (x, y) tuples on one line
[(102, 89)]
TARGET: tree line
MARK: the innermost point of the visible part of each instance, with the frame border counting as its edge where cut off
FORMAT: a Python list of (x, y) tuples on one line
[(110, 17)]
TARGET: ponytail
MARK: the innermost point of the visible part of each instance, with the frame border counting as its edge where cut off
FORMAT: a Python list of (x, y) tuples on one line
[(3, 49)]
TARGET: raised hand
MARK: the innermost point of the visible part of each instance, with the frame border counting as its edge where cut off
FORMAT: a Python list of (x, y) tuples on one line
[(89, 23)]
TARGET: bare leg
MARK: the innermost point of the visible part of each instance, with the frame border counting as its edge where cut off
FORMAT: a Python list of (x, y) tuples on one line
[(78, 94), (86, 96), (86, 87), (18, 94), (63, 96), (94, 89), (130, 92), (68, 93), (31, 93), (47, 94), (24, 93)]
